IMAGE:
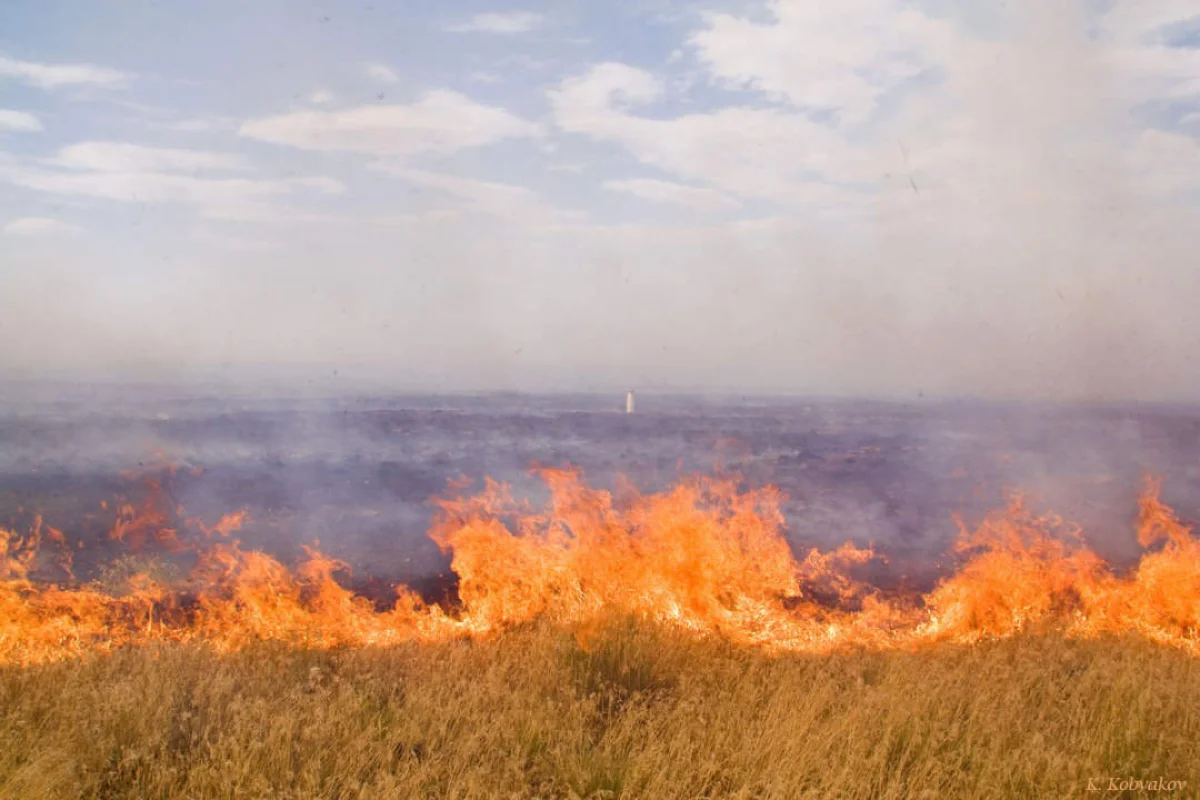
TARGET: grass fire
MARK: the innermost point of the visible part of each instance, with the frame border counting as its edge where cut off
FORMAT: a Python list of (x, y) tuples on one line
[(642, 400), (593, 647)]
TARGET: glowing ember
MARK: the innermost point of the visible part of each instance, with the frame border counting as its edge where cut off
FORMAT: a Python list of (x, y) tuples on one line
[(706, 556)]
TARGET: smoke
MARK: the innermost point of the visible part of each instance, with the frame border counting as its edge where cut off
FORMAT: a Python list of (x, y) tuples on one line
[(1042, 262), (358, 472)]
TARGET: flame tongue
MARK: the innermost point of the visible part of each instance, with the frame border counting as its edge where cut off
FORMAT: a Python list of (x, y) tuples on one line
[(705, 555), (701, 554)]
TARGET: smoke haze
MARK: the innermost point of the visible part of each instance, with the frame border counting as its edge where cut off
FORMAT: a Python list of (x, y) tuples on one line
[(907, 199)]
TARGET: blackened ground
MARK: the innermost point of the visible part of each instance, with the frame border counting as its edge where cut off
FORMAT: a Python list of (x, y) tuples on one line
[(358, 474)]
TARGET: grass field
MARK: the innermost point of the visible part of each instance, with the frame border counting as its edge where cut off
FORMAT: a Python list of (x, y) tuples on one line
[(640, 712)]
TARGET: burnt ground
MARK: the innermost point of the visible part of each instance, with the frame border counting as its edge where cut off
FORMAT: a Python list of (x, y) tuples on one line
[(358, 473)]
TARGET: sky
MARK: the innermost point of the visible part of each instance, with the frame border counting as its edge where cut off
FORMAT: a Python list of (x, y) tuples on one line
[(867, 198)]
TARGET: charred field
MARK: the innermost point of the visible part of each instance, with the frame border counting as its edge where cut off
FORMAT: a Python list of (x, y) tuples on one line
[(259, 597)]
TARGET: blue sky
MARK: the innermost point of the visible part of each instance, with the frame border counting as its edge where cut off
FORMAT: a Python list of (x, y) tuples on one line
[(878, 197)]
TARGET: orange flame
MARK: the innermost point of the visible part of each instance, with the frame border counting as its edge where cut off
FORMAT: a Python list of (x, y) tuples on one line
[(706, 555)]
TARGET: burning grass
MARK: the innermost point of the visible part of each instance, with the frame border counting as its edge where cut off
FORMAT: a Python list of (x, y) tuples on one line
[(641, 710), (607, 645), (707, 557)]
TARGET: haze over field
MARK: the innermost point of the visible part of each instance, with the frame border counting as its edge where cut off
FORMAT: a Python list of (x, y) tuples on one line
[(871, 197)]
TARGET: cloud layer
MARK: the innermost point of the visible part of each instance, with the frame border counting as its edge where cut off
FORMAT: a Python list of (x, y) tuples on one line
[(36, 226), (869, 197), (440, 122), (18, 121), (55, 76), (510, 22)]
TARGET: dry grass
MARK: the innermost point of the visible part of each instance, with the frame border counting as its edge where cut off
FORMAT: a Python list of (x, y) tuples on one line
[(643, 713)]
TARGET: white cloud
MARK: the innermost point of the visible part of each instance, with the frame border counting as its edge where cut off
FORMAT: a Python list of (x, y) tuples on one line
[(514, 204), (21, 121), (382, 73), (1133, 31), (1140, 19), (37, 226), (191, 126), (441, 122), (1044, 122), (838, 57), (656, 191), (751, 152), (131, 173), (321, 97), (589, 98), (508, 22), (151, 187), (52, 76), (126, 157), (999, 128), (209, 124)]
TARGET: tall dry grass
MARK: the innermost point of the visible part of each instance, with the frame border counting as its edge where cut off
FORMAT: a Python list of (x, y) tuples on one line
[(640, 713)]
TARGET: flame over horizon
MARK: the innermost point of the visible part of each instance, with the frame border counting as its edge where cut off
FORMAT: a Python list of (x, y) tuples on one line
[(707, 555)]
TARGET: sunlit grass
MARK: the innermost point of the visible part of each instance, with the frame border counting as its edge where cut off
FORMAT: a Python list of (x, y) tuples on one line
[(641, 712)]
